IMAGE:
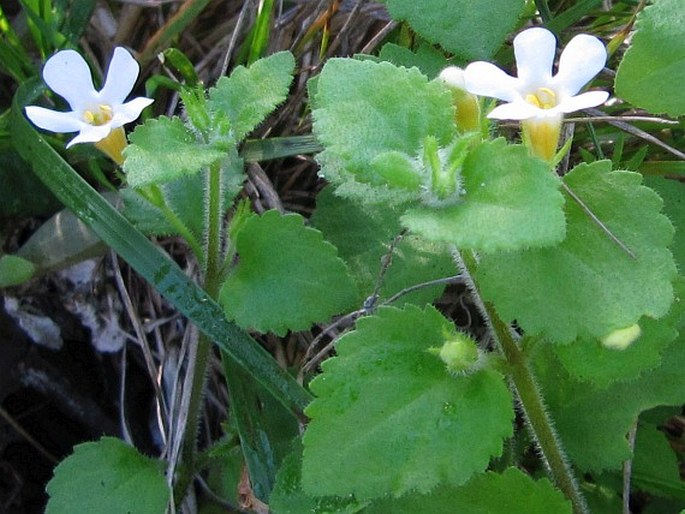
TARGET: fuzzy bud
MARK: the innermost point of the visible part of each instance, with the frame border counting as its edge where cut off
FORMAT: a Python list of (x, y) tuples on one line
[(460, 354)]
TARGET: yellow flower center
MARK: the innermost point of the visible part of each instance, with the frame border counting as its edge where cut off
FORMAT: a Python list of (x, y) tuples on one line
[(544, 98), (98, 116)]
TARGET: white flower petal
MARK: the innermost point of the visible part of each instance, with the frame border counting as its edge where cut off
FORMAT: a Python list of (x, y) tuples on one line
[(582, 101), (54, 121), (535, 50), (520, 110), (582, 59), (453, 76), (486, 79), (68, 75), (129, 111), (121, 77), (91, 134)]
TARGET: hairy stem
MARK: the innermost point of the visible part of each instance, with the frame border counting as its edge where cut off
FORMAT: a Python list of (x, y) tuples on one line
[(203, 349), (527, 390), (214, 209)]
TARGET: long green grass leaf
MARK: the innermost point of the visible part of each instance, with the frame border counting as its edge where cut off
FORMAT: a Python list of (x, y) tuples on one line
[(255, 150), (572, 15)]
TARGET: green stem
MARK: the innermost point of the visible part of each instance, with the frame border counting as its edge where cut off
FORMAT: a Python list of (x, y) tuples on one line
[(214, 208), (202, 351), (528, 392)]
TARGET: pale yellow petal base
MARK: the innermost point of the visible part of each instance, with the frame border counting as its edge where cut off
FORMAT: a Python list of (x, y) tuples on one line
[(541, 136), (113, 145), (468, 112)]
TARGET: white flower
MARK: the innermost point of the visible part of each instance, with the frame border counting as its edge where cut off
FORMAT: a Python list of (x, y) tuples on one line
[(535, 93), (94, 114)]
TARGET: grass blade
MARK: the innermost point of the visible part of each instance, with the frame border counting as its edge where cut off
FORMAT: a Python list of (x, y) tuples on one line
[(255, 150)]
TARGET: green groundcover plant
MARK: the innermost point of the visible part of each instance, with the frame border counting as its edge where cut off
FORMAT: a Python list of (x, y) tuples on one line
[(571, 259)]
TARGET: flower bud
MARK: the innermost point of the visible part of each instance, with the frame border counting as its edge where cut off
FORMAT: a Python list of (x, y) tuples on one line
[(460, 354), (468, 108)]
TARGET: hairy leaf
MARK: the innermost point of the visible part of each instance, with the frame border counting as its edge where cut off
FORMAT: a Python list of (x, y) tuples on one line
[(512, 492), (593, 421), (588, 286), (107, 477), (363, 109), (673, 193), (288, 497), (510, 201), (426, 58), (287, 276), (471, 33), (388, 406), (591, 361), (164, 149), (250, 94), (185, 197), (652, 72)]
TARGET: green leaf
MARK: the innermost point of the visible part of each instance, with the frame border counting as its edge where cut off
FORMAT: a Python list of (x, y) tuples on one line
[(250, 94), (510, 201), (108, 476), (362, 233), (589, 360), (588, 286), (265, 427), (287, 276), (426, 58), (387, 406), (177, 60), (512, 492), (185, 196), (164, 149), (655, 464), (15, 270), (652, 72), (146, 217), (593, 421), (288, 497), (458, 27), (673, 194), (363, 109)]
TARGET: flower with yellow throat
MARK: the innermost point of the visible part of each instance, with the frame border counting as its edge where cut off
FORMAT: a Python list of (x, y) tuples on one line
[(97, 116), (536, 97)]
